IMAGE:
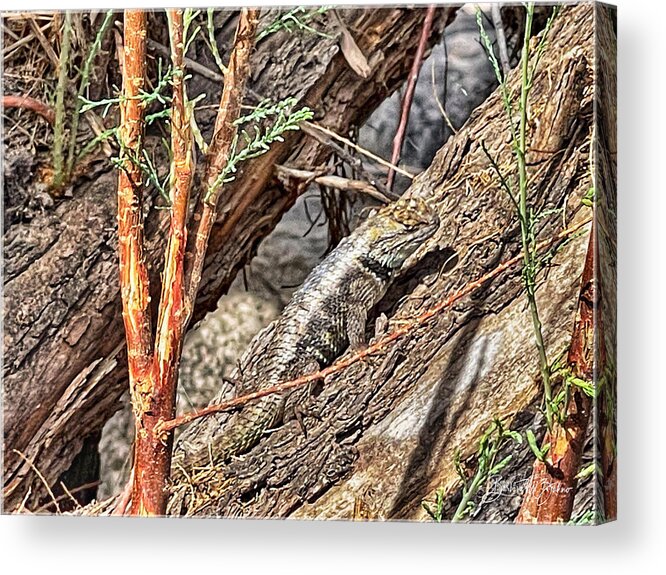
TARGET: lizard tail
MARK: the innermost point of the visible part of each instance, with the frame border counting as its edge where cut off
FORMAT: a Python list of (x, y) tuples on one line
[(241, 432), (244, 430)]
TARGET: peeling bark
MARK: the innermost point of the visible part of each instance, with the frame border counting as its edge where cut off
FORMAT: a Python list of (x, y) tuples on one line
[(606, 210)]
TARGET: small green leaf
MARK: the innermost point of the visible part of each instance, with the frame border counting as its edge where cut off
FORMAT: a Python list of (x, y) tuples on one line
[(516, 436), (501, 465), (588, 198), (586, 471), (532, 442)]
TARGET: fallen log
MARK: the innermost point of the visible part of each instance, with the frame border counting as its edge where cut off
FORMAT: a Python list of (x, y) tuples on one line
[(385, 430)]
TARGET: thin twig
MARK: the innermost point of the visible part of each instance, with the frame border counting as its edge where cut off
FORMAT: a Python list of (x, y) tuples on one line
[(8, 51), (345, 362), (500, 175), (39, 34), (41, 478), (440, 105), (210, 24), (189, 63), (69, 493), (409, 93), (495, 12), (528, 248), (219, 152), (83, 85), (332, 181), (310, 128), (31, 104)]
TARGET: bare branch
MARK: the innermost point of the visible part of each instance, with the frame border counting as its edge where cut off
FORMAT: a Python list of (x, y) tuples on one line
[(409, 93), (134, 283), (219, 150), (495, 12), (351, 359)]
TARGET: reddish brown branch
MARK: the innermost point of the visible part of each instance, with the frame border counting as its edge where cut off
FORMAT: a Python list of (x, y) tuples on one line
[(409, 93), (134, 284), (219, 151), (550, 495), (153, 450), (371, 349), (31, 104)]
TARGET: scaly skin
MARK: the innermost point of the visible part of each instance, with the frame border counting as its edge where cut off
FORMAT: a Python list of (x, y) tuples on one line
[(325, 316)]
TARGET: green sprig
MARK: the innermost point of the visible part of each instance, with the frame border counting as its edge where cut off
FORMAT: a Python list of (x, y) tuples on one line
[(494, 438), (283, 120)]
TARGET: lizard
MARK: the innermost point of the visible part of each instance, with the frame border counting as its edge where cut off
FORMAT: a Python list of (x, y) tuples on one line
[(325, 316)]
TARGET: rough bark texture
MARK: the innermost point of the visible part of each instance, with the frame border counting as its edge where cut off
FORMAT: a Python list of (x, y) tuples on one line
[(606, 213), (64, 366), (382, 434)]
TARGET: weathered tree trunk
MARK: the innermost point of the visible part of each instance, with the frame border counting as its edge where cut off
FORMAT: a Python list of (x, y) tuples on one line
[(383, 432), (64, 367)]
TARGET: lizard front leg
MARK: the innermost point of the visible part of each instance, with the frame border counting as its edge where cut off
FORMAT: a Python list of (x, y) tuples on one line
[(355, 327)]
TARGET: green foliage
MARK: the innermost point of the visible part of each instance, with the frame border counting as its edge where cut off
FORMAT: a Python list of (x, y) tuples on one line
[(587, 471), (527, 217), (157, 94), (148, 169), (189, 16), (63, 165), (492, 441), (539, 452), (83, 86), (568, 381), (280, 119), (589, 198), (270, 122), (213, 42), (436, 510), (295, 19)]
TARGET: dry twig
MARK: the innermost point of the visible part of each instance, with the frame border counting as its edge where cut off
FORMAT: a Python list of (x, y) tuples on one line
[(219, 150), (31, 104), (312, 129), (409, 93), (378, 346), (332, 181), (495, 12)]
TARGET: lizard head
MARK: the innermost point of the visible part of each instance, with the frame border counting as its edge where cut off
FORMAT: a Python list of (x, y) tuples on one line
[(402, 227)]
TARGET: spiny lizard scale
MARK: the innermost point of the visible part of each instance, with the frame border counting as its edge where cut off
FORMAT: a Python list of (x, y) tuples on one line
[(327, 314)]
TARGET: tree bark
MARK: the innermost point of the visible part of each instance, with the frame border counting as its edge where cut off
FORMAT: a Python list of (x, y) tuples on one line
[(381, 434), (64, 368)]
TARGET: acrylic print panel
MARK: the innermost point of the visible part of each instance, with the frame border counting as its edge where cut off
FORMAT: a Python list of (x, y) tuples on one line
[(311, 262)]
